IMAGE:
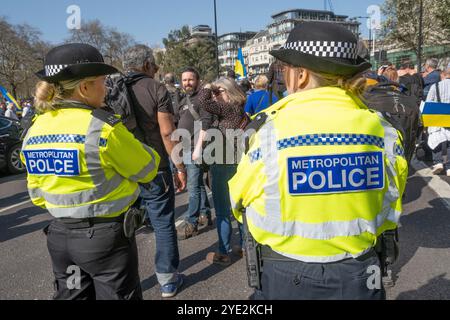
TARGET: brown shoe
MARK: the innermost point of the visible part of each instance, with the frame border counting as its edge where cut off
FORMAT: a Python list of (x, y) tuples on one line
[(186, 231), (238, 251), (217, 258), (205, 220)]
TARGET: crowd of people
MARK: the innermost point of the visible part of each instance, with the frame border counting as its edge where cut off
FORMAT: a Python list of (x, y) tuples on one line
[(9, 110), (423, 86), (282, 184)]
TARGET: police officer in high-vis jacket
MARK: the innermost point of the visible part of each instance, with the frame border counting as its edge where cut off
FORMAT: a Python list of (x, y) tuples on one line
[(324, 176), (84, 168)]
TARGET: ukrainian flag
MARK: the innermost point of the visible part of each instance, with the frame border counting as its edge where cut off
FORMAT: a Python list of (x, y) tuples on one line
[(239, 67), (436, 114), (9, 97)]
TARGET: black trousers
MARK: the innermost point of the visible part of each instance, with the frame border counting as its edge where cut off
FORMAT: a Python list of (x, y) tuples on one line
[(345, 280), (93, 262)]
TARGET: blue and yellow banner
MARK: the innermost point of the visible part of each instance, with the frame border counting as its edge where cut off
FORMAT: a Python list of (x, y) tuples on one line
[(239, 67), (436, 114), (5, 94)]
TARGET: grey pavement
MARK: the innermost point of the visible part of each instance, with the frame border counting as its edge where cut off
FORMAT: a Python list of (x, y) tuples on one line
[(422, 272)]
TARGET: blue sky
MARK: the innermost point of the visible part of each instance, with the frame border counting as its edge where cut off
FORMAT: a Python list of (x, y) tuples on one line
[(151, 20)]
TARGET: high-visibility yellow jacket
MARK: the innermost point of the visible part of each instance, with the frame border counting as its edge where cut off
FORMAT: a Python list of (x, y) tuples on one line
[(324, 177), (83, 163)]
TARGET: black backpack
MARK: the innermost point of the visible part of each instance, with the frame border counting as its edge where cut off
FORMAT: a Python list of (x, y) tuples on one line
[(399, 109), (119, 97)]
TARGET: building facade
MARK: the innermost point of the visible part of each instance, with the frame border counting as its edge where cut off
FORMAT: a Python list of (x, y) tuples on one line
[(201, 32), (285, 21), (256, 50), (256, 54), (229, 45)]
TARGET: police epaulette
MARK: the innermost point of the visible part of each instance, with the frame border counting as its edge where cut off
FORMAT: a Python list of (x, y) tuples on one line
[(253, 127), (106, 116), (258, 122)]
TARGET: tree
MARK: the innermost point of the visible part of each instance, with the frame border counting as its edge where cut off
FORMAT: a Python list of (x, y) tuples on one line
[(402, 22), (183, 50), (110, 42), (20, 56)]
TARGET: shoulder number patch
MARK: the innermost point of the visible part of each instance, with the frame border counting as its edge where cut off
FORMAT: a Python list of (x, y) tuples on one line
[(65, 163), (336, 173)]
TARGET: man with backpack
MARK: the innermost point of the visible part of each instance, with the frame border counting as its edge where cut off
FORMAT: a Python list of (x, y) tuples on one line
[(411, 80), (149, 115), (398, 108)]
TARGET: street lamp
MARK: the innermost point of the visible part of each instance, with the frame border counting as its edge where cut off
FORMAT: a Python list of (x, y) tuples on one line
[(217, 40), (420, 44), (370, 32)]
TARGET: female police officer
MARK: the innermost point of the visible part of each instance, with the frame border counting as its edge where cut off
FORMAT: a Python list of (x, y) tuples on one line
[(84, 168), (324, 176)]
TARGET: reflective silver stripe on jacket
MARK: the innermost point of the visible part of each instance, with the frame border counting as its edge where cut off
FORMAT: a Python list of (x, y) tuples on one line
[(269, 150), (150, 167), (323, 259), (393, 194), (95, 210)]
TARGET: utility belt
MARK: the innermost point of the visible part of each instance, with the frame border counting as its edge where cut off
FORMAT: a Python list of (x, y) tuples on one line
[(132, 220), (74, 223)]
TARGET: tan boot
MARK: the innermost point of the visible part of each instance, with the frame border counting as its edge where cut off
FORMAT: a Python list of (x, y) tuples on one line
[(186, 231), (217, 258)]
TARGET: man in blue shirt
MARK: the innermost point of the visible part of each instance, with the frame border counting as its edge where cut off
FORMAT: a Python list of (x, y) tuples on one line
[(259, 100)]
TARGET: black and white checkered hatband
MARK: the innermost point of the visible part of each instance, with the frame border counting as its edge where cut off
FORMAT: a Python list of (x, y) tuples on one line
[(326, 49), (51, 70)]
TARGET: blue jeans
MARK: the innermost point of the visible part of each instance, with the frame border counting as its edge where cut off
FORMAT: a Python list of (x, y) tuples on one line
[(198, 199), (221, 174), (158, 197)]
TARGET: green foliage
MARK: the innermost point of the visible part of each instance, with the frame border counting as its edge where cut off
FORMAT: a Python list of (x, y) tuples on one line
[(182, 51), (401, 26)]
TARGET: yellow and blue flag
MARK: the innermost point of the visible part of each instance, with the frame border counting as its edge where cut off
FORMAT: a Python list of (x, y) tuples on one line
[(436, 114), (239, 67), (9, 97)]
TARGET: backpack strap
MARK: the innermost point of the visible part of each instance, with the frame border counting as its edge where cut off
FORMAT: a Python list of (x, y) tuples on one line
[(190, 106), (254, 127), (261, 100), (438, 93)]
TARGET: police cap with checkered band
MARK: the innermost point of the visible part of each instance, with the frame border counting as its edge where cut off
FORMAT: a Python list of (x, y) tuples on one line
[(74, 61), (322, 47)]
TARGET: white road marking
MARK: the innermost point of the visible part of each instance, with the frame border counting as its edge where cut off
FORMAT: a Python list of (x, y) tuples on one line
[(15, 206), (439, 186)]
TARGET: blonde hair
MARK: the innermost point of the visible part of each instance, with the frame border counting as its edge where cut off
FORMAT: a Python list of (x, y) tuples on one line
[(261, 82), (235, 93), (391, 73), (355, 85), (48, 95)]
